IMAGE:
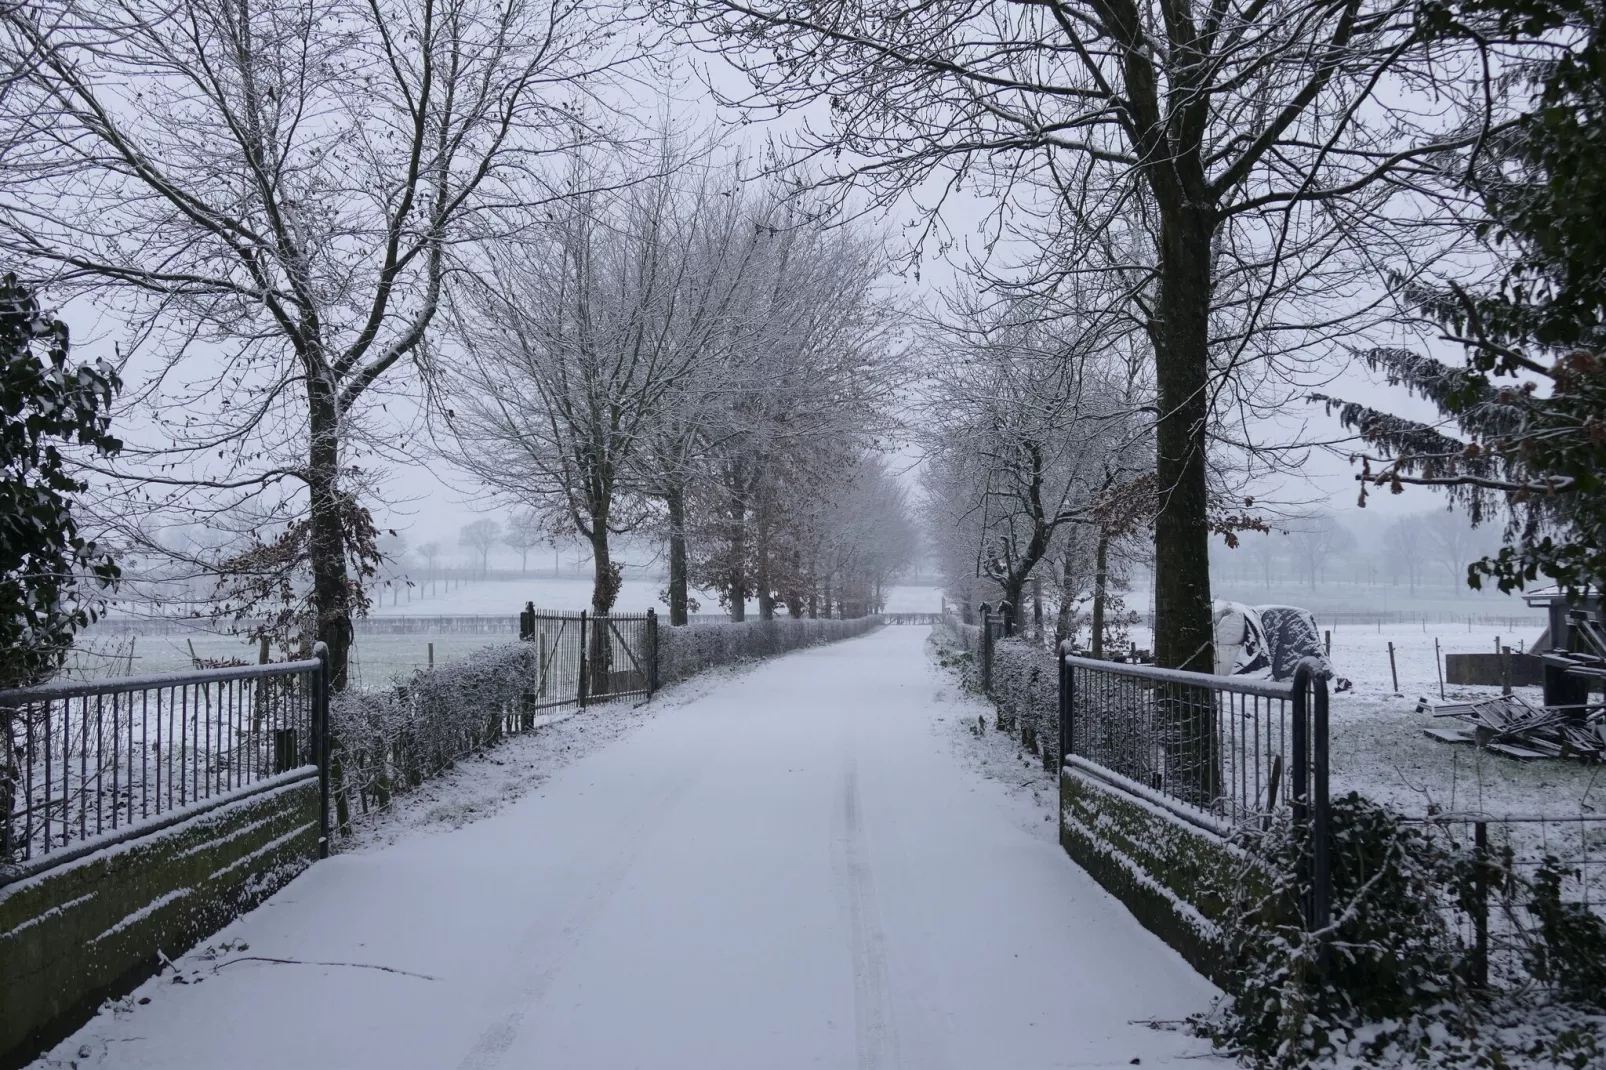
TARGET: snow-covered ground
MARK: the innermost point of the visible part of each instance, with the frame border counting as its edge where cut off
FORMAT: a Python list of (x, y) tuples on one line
[(1378, 745), (795, 866)]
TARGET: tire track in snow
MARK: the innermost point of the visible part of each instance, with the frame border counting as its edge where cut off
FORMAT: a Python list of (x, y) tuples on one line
[(875, 1031), (489, 1051)]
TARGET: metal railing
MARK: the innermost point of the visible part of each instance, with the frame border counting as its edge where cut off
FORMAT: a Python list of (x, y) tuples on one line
[(87, 763), (1223, 752)]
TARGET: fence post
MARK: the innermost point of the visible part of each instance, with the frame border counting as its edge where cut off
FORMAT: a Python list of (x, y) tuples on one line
[(581, 697), (8, 788), (1299, 771), (1309, 801), (1321, 875), (987, 653), (652, 652), (1480, 904), (320, 742), (1067, 682)]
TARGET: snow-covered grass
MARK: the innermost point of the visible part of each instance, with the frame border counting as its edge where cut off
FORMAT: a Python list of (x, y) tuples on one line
[(379, 659), (1379, 749), (636, 595)]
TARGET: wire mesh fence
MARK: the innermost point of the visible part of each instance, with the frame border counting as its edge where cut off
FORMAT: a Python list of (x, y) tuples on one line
[(1523, 893), (84, 760)]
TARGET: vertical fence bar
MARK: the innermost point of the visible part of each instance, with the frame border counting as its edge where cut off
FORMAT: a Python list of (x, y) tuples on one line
[(1321, 862), (1480, 904), (652, 652), (581, 693), (1067, 676)]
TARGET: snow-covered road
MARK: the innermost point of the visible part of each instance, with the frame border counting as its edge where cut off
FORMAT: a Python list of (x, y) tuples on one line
[(797, 869)]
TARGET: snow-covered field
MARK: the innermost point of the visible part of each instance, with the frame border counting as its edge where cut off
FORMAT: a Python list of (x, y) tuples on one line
[(1378, 745), (635, 596), (793, 866), (378, 659)]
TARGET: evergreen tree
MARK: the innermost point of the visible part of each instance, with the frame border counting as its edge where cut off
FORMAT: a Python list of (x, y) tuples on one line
[(1529, 405), (46, 565)]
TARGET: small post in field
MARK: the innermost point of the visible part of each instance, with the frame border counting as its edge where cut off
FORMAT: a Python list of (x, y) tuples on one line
[(432, 655), (1438, 663), (1394, 672)]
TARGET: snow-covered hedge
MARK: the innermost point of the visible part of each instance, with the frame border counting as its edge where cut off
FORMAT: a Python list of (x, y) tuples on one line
[(391, 740), (1025, 687), (955, 633), (692, 648)]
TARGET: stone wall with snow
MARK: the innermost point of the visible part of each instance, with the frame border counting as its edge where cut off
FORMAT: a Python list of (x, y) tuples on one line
[(93, 927)]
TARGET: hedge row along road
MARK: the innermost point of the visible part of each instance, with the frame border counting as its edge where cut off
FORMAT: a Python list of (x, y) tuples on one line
[(796, 869)]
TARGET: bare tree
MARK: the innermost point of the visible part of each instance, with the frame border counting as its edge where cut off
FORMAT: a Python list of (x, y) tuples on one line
[(270, 194), (1316, 541), (1453, 543), (429, 551), (1405, 543), (523, 534), (1031, 430), (481, 536), (579, 333), (1253, 145)]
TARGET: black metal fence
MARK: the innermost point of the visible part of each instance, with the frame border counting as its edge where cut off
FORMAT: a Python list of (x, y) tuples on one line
[(86, 763), (586, 658), (1230, 750)]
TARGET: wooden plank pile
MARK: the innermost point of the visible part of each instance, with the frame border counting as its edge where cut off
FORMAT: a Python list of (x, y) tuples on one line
[(1515, 727)]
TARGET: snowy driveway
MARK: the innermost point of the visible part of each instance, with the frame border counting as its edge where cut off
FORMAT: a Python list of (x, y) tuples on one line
[(796, 869)]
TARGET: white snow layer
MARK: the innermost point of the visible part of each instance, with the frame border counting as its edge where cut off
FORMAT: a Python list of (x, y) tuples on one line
[(798, 866)]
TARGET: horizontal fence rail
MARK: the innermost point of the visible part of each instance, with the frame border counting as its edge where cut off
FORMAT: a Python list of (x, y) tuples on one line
[(85, 761)]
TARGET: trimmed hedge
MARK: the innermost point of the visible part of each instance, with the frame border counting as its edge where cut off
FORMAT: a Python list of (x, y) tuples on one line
[(1026, 691), (1025, 684), (692, 648), (392, 740)]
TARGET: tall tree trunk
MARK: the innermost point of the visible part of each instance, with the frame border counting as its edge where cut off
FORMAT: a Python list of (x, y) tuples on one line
[(1037, 609), (766, 597), (604, 593), (1182, 638), (676, 501), (1182, 625), (331, 589), (1101, 576), (1062, 621), (604, 580), (1014, 584), (736, 584)]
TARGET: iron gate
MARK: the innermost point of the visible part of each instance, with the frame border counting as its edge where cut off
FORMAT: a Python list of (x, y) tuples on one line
[(584, 658)]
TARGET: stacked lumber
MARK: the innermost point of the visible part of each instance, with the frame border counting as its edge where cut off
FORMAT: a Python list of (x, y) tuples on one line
[(1515, 727)]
